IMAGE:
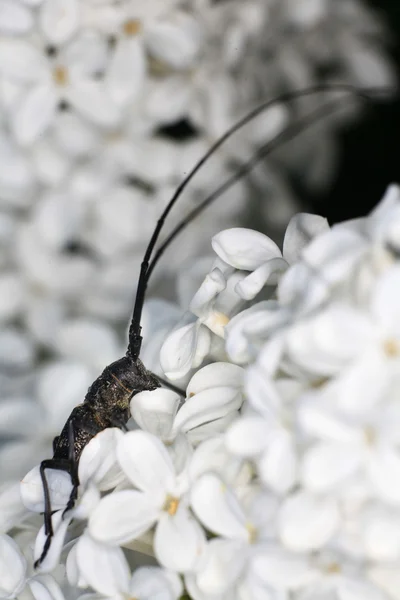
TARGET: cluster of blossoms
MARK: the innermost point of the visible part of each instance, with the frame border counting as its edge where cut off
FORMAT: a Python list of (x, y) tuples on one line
[(91, 92), (279, 475)]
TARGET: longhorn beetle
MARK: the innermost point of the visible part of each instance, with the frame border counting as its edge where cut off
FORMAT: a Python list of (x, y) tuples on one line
[(106, 403)]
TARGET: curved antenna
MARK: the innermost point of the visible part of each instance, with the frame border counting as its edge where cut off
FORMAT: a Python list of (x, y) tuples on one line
[(135, 339), (243, 170)]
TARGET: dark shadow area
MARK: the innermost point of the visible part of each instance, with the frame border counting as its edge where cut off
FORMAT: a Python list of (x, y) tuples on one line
[(370, 150)]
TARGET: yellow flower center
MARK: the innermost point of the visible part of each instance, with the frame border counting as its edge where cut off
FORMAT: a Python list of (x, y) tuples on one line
[(333, 568), (60, 75), (252, 533), (391, 348), (216, 321), (370, 435), (132, 27), (171, 505)]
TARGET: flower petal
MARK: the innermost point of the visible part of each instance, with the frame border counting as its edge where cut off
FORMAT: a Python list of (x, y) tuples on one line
[(217, 507), (222, 565), (59, 483), (58, 19), (283, 570), (300, 230), (52, 559), (34, 113), (182, 533), (215, 375), (207, 406), (152, 582), (44, 587), (103, 567), (98, 462), (123, 516), (146, 462), (306, 522), (327, 465), (92, 101), (155, 411), (244, 248), (184, 348), (384, 474), (125, 74), (12, 568)]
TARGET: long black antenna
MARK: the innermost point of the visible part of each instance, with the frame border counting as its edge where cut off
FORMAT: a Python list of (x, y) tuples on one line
[(135, 338), (244, 169)]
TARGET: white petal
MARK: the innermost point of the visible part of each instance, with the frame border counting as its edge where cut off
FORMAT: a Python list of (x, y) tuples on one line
[(59, 19), (327, 343), (217, 507), (384, 474), (149, 583), (12, 509), (278, 467), (52, 558), (14, 18), (182, 533), (125, 74), (59, 483), (34, 113), (44, 587), (146, 462), (244, 248), (222, 566), (154, 411), (207, 406), (306, 522), (12, 568), (301, 229), (283, 570), (93, 342), (247, 436), (266, 274), (328, 465), (123, 516), (21, 61), (103, 567), (387, 578), (18, 417), (354, 590), (175, 42), (183, 348), (215, 375), (212, 285), (212, 455), (168, 101), (59, 400), (92, 101), (98, 461), (385, 300)]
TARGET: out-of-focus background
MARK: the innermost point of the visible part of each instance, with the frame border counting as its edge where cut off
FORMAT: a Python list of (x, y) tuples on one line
[(369, 149), (105, 105)]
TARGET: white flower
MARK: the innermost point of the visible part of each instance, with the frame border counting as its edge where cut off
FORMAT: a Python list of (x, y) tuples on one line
[(97, 471), (161, 499), (70, 77), (228, 558), (213, 397)]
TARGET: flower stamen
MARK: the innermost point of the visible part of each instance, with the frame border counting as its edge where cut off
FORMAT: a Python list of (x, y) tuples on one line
[(391, 348), (60, 75), (132, 27), (171, 505)]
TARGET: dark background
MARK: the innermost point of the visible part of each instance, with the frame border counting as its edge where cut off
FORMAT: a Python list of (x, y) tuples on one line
[(370, 150)]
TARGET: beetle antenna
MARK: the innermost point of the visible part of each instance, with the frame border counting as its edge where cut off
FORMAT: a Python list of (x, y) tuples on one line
[(135, 339)]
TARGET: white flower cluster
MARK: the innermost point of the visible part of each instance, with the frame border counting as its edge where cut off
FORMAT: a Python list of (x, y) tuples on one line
[(85, 87), (279, 476)]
